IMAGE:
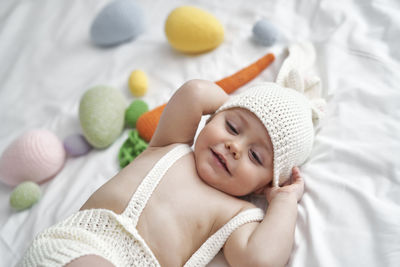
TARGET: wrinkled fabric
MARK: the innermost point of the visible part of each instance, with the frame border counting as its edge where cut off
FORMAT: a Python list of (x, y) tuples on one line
[(350, 212)]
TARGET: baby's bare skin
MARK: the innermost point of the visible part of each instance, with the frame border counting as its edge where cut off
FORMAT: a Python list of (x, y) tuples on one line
[(182, 212)]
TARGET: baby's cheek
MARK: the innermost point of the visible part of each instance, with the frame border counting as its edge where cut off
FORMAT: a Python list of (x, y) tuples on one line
[(259, 177), (203, 170)]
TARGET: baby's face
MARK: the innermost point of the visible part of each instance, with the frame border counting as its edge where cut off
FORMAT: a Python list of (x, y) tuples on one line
[(234, 153)]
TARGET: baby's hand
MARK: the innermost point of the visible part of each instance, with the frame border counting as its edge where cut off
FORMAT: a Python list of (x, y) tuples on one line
[(294, 186)]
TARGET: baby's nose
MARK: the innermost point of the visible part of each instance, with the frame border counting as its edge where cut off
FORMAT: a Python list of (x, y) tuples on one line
[(234, 149)]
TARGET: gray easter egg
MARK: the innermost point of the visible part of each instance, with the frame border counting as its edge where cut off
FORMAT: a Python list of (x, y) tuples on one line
[(117, 22), (265, 32)]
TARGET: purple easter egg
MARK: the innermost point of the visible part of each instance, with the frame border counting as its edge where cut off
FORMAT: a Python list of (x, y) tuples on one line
[(76, 145)]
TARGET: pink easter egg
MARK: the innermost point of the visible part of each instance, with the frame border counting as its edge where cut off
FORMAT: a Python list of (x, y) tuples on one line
[(37, 156)]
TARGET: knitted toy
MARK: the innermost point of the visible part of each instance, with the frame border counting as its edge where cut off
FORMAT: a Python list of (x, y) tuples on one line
[(147, 123), (265, 32), (37, 156), (131, 148), (117, 22), (138, 83), (134, 111), (76, 145), (193, 30), (101, 115), (25, 195)]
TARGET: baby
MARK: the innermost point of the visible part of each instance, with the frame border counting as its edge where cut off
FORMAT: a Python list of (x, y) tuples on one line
[(173, 206)]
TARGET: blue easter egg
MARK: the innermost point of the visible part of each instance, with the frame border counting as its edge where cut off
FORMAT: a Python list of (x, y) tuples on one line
[(117, 22), (265, 32)]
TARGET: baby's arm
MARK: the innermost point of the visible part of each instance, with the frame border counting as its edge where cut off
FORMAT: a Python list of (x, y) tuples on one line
[(270, 242), (181, 116)]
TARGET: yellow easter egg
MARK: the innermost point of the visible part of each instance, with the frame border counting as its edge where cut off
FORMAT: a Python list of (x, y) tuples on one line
[(193, 30), (138, 83)]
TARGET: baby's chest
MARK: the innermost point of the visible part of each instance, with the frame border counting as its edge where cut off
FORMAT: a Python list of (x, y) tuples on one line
[(183, 212), (178, 222)]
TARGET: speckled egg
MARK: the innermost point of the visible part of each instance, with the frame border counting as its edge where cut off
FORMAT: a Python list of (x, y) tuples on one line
[(25, 195), (193, 30), (37, 155), (117, 22), (101, 114)]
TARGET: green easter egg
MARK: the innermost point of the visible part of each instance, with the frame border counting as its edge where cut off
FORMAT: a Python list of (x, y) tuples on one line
[(101, 114), (25, 195), (133, 112)]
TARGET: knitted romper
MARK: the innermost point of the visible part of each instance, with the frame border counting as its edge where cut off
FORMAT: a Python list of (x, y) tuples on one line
[(115, 237)]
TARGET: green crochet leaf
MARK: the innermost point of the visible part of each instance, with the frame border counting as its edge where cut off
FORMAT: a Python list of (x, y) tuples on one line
[(131, 148)]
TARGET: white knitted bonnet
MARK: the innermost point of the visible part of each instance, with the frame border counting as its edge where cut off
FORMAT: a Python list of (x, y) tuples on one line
[(288, 109)]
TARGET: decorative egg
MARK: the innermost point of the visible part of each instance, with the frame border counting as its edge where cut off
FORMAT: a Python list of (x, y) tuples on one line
[(25, 195), (76, 145), (133, 112), (138, 83), (265, 32), (37, 155), (101, 114), (193, 30), (117, 22)]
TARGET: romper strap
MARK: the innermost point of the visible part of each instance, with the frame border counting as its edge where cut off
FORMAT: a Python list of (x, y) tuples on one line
[(214, 243), (150, 182)]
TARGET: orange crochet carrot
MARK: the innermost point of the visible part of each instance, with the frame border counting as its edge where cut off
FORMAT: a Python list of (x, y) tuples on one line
[(147, 123), (243, 76)]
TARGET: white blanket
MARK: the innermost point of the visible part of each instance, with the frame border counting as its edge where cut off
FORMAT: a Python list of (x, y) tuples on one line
[(350, 212)]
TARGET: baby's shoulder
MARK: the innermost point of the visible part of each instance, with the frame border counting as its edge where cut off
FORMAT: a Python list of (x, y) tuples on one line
[(157, 151), (151, 148), (232, 206), (245, 205)]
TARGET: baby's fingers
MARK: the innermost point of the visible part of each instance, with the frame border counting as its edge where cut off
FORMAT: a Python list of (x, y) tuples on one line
[(297, 183), (296, 176)]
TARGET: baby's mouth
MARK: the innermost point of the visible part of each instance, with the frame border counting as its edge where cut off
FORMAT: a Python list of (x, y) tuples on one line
[(221, 160)]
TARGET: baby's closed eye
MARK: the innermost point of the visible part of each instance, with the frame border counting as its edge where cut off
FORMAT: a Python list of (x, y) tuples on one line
[(255, 156), (232, 128)]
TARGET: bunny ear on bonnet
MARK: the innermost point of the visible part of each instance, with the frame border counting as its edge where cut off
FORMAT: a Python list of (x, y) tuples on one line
[(295, 74)]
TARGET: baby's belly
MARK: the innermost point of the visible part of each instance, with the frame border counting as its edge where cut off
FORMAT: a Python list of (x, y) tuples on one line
[(174, 233)]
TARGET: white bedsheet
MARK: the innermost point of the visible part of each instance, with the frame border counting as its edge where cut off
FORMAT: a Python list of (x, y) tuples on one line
[(350, 212)]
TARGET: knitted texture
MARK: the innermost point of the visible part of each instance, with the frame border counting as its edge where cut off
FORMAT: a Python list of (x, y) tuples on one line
[(288, 114), (114, 236), (118, 22), (131, 148), (95, 232), (36, 156), (134, 111), (147, 123)]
